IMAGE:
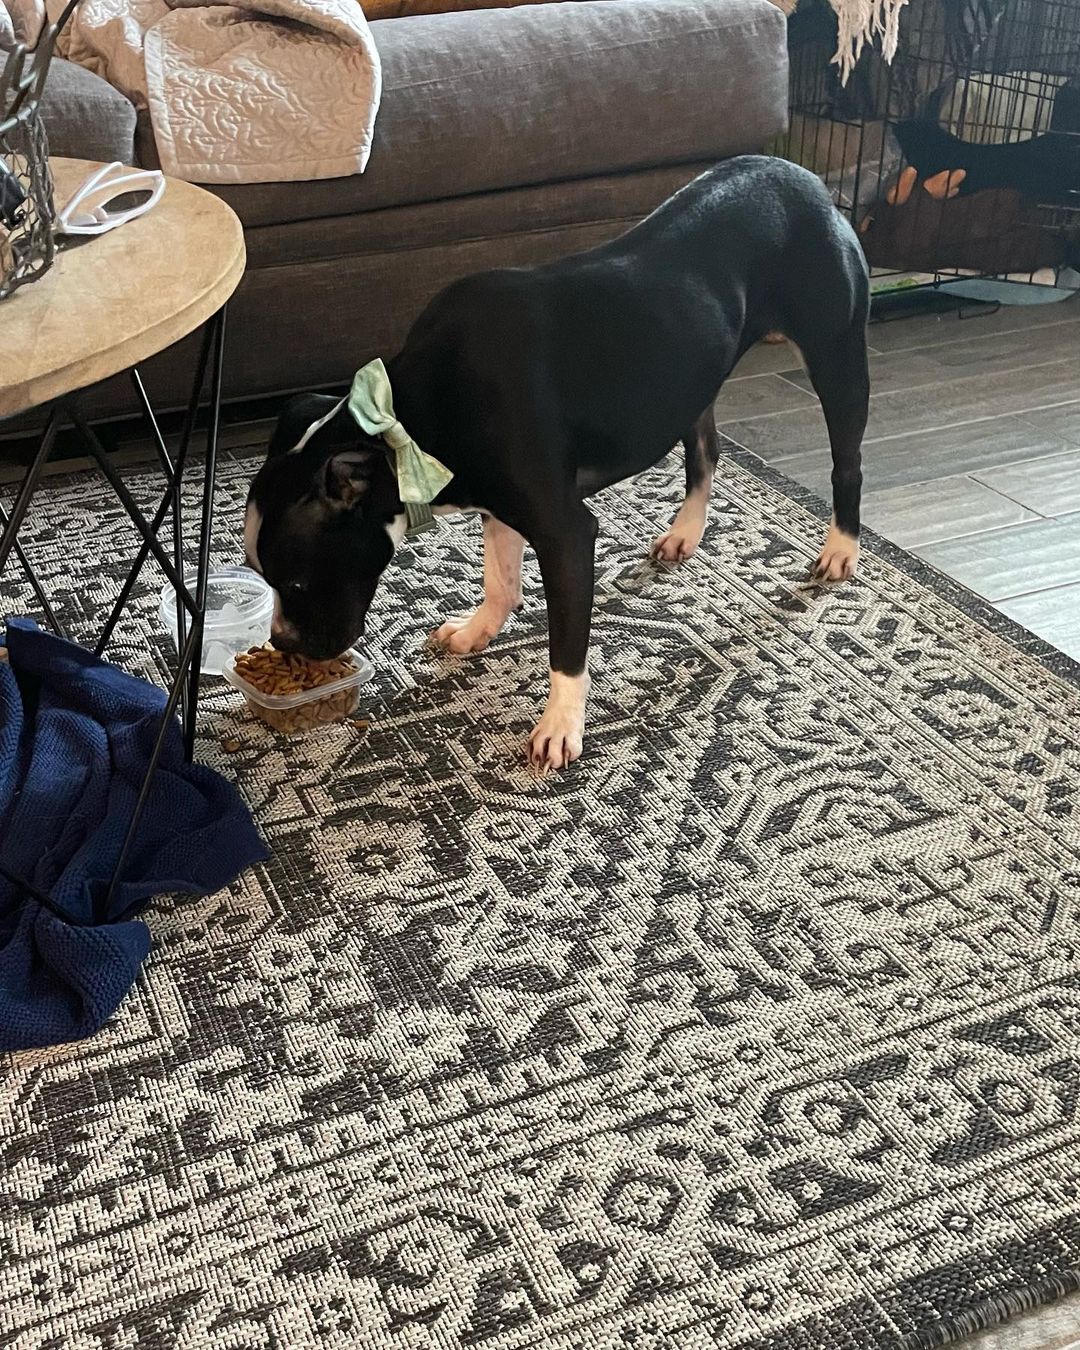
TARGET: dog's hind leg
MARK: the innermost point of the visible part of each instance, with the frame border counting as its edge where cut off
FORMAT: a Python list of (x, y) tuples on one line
[(503, 549), (838, 371), (702, 445)]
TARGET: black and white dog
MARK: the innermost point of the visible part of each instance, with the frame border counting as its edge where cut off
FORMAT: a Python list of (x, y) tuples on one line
[(539, 386)]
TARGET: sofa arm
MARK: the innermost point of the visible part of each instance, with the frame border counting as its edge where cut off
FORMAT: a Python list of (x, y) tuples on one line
[(85, 117)]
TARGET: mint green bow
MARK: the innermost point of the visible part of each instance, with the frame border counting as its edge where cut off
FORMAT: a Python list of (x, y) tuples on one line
[(371, 401)]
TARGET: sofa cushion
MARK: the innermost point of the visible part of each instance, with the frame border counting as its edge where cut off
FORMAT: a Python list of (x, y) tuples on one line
[(484, 219), (85, 117), (490, 99)]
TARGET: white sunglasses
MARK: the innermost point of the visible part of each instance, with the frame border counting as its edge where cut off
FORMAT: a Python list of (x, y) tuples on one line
[(87, 211)]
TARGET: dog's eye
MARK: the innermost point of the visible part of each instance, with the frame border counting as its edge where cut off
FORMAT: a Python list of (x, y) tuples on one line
[(294, 590)]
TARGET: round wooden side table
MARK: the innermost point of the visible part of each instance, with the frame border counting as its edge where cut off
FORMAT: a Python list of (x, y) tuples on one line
[(109, 302)]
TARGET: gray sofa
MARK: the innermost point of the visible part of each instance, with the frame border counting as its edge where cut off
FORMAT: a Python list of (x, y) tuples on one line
[(505, 137)]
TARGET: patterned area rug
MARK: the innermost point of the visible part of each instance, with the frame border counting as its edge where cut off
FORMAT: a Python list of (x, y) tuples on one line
[(757, 1030)]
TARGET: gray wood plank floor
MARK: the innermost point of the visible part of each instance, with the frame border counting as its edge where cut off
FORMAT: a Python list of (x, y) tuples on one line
[(972, 461), (972, 452)]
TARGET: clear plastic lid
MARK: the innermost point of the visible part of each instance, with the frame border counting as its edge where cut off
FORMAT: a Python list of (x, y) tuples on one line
[(239, 607)]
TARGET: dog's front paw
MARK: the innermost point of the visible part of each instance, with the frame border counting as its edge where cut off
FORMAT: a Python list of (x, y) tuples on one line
[(838, 559), (466, 633), (674, 547), (557, 739)]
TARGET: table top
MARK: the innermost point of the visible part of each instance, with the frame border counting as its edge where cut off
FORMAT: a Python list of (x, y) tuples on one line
[(112, 300)]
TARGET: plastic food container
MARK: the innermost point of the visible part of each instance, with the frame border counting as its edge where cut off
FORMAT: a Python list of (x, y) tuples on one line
[(291, 713), (239, 607)]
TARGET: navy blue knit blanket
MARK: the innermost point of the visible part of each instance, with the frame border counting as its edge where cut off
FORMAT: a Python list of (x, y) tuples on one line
[(76, 735)]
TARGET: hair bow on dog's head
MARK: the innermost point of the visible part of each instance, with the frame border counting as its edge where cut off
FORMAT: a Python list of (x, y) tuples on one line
[(420, 477)]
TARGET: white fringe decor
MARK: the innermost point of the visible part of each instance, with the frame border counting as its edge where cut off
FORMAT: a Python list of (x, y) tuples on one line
[(860, 22)]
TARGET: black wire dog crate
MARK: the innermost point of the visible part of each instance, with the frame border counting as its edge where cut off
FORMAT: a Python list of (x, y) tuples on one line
[(961, 156)]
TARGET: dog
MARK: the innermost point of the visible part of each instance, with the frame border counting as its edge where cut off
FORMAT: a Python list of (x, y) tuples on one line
[(537, 387)]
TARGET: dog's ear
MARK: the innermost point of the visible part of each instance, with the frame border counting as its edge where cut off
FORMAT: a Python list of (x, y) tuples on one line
[(346, 477), (297, 418)]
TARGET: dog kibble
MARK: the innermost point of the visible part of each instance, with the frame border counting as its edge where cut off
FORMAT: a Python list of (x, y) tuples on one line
[(279, 674)]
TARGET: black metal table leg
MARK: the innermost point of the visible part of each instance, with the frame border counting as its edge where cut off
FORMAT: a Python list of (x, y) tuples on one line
[(174, 472), (190, 600), (206, 525), (188, 659), (24, 562), (29, 484)]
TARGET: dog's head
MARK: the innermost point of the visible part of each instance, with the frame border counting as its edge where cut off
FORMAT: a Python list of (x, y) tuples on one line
[(323, 519)]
